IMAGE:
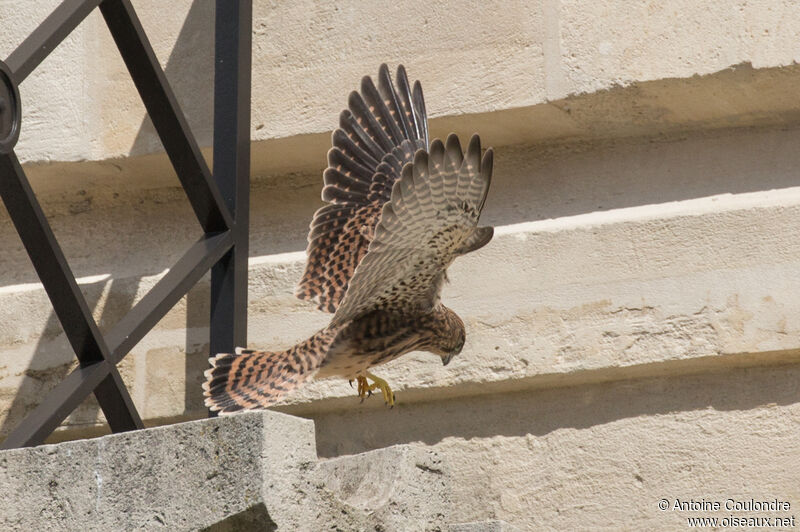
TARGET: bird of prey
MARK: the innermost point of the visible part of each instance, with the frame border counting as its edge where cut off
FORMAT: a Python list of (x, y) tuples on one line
[(399, 210)]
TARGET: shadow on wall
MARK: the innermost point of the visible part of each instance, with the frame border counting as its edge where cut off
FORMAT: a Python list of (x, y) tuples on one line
[(254, 518), (190, 72), (53, 358), (540, 412)]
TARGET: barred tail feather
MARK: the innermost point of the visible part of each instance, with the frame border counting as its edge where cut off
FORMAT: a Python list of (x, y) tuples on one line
[(254, 380)]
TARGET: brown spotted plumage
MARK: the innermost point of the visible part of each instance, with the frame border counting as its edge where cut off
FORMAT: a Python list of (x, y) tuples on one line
[(400, 210), (379, 133)]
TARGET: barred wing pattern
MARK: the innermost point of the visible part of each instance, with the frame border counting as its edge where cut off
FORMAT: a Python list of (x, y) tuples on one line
[(379, 133), (431, 219)]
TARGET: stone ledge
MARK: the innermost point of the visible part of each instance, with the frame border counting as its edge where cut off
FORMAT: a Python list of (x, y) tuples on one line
[(180, 477), (737, 97), (621, 295), (481, 59), (219, 474)]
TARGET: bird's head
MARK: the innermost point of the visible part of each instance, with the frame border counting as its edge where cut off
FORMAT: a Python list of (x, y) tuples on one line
[(448, 334)]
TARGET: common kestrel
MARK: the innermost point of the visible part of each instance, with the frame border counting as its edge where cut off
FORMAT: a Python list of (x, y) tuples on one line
[(400, 210)]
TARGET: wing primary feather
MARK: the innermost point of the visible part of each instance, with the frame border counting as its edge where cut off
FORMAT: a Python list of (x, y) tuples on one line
[(334, 194), (408, 101), (343, 141), (436, 167), (470, 168), (349, 124), (452, 164), (420, 203), (380, 110), (386, 88), (453, 150), (363, 114), (332, 176), (419, 104), (344, 164), (390, 166), (486, 174)]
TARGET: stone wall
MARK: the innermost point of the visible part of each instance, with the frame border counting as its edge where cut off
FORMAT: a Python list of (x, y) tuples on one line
[(633, 329)]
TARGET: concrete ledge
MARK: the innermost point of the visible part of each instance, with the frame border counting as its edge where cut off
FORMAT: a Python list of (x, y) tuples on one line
[(179, 477), (253, 469)]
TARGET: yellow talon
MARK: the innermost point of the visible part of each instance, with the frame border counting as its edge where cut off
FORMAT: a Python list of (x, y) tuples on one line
[(365, 388)]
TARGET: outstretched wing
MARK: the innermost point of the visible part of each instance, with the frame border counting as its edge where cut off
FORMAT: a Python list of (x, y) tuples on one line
[(379, 133), (431, 219)]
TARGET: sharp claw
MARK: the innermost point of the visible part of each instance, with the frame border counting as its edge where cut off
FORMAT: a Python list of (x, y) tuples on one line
[(350, 382)]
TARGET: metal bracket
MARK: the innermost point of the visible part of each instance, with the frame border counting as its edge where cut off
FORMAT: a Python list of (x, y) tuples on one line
[(10, 110)]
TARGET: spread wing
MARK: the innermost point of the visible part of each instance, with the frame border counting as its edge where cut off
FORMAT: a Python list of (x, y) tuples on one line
[(379, 133), (431, 219)]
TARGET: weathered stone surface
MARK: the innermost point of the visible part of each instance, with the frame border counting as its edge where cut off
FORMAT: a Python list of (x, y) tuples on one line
[(485, 526), (634, 291), (179, 477), (396, 488), (253, 471), (601, 455), (632, 329), (517, 72)]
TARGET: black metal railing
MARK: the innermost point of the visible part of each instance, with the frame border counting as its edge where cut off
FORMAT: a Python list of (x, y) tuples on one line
[(219, 200)]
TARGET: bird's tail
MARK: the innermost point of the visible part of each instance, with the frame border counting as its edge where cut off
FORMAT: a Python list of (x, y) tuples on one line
[(252, 380)]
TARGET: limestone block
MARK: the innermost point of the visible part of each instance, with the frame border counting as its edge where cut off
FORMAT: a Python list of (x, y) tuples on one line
[(179, 477)]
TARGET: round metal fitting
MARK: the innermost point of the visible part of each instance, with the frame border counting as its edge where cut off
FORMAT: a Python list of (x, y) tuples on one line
[(10, 110)]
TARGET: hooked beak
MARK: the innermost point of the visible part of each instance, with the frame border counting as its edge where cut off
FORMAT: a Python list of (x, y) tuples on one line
[(446, 360)]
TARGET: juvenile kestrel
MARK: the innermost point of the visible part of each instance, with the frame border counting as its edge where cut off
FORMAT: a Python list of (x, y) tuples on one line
[(400, 210)]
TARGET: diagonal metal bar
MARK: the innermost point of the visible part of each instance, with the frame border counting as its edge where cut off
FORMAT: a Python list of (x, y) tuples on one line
[(116, 402), (233, 42), (56, 406), (166, 114), (68, 302), (47, 36), (49, 261), (165, 294)]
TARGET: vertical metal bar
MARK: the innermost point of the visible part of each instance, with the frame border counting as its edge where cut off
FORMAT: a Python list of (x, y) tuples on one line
[(47, 36), (233, 40), (166, 114), (59, 283)]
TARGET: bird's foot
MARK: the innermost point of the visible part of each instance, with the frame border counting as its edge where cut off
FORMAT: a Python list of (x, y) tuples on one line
[(365, 389)]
